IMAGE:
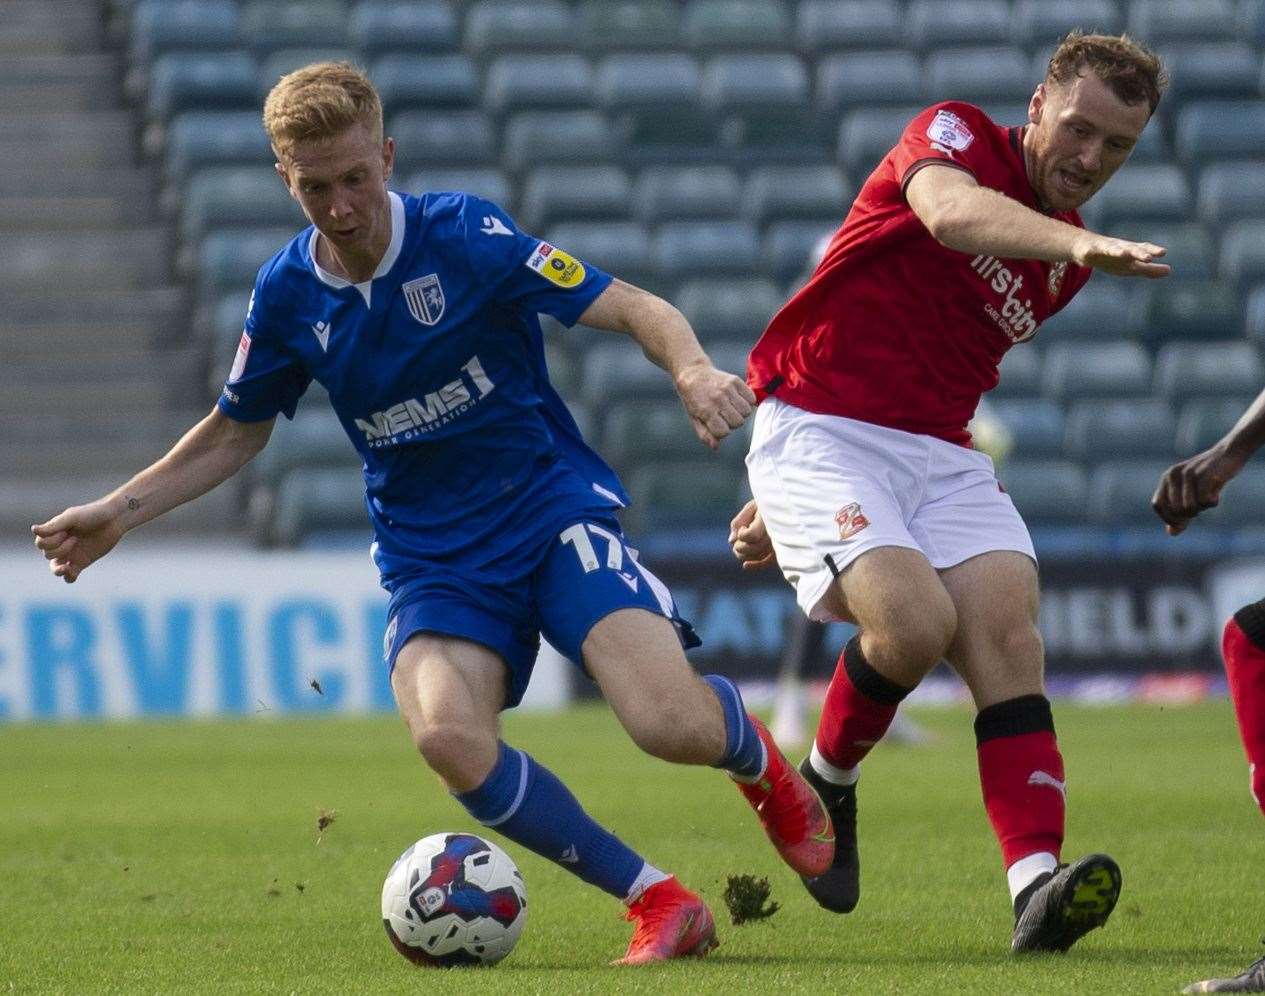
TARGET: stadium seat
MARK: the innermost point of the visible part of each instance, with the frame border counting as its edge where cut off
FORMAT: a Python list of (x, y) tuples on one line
[(311, 439), (1211, 71), (535, 138), (1233, 190), (998, 73), (867, 134), (1104, 429), (236, 197), (616, 370), (1107, 369), (666, 193), (282, 61), (698, 493), (160, 26), (536, 82), (1191, 250), (827, 25), (230, 257), (197, 139), (268, 25), (709, 25), (1036, 426), (494, 27), (1106, 304), (1046, 491), (1209, 130), (490, 184), (1120, 491), (1251, 21), (434, 138), (932, 25), (854, 79), (1243, 251), (1154, 145), (775, 193), (409, 27), (218, 81), (629, 24), (738, 83), (1241, 501), (562, 360), (585, 193), (311, 499), (680, 250), (1208, 369), (1039, 24), (1208, 310), (728, 309), (789, 245), (1142, 191), (446, 82), (639, 432), (646, 81), (1203, 422), (1162, 21), (620, 248), (1254, 314), (1020, 372)]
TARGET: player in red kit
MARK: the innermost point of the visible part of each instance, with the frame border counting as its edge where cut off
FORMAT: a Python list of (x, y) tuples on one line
[(866, 488), (1186, 489)]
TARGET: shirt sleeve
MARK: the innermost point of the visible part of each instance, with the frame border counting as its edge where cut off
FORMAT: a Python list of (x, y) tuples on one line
[(951, 134), (537, 276), (264, 380)]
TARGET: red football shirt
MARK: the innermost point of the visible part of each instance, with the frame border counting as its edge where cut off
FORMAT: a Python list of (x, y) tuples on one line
[(895, 329)]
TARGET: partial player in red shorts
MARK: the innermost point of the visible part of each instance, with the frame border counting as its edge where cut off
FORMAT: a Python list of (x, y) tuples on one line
[(867, 489), (1185, 490)]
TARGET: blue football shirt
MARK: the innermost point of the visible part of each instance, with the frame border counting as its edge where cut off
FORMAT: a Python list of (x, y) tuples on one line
[(436, 369)]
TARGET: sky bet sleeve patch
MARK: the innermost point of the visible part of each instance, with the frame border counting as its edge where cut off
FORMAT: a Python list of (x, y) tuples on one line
[(556, 266)]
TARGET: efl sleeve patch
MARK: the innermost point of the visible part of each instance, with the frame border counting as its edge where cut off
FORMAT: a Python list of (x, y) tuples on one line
[(556, 266), (243, 351), (949, 130)]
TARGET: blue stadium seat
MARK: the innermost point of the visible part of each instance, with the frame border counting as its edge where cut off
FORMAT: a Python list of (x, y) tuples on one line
[(1203, 422), (639, 432), (1109, 429), (1046, 491), (866, 135), (828, 26), (884, 76), (1251, 21), (699, 493), (1241, 501), (680, 250), (667, 193), (1036, 426), (494, 27), (441, 81), (788, 245), (1243, 251), (583, 193), (230, 257), (1155, 143), (535, 138), (283, 61), (197, 139), (1162, 21), (1212, 70), (775, 193), (1207, 370), (409, 27), (1206, 310), (317, 499), (1120, 491), (620, 248), (998, 73), (737, 83), (1233, 190), (1109, 305), (160, 26), (1142, 191), (710, 25), (1216, 129), (268, 25), (1020, 372), (646, 81), (211, 81), (1039, 24), (617, 370), (312, 438), (1104, 369), (1254, 314), (434, 138), (932, 25), (629, 24), (536, 82), (1190, 248), (237, 197), (728, 309)]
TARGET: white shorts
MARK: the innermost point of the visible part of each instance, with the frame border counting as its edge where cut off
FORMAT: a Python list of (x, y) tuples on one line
[(831, 488)]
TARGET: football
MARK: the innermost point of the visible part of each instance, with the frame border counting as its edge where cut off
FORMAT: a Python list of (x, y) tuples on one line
[(454, 899)]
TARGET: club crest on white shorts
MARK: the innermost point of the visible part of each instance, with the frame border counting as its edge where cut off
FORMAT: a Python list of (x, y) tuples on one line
[(851, 520)]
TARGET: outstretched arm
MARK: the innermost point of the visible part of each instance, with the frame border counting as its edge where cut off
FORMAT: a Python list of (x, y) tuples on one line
[(717, 402), (962, 215), (211, 452)]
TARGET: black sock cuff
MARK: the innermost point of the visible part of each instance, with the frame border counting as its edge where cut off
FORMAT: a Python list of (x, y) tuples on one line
[(1251, 619), (866, 680), (1013, 718)]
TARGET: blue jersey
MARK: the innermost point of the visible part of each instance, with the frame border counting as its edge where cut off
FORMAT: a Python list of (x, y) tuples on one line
[(436, 369)]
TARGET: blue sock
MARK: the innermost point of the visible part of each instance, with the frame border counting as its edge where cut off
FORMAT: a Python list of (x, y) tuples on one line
[(744, 752), (528, 804)]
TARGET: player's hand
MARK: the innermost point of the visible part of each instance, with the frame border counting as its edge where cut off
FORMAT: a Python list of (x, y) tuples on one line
[(78, 536), (1120, 257), (717, 402), (749, 539), (1192, 486)]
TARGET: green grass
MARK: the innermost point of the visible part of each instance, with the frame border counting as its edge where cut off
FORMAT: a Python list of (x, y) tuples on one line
[(146, 858)]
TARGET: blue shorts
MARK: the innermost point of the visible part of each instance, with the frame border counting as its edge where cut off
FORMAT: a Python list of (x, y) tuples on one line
[(582, 574)]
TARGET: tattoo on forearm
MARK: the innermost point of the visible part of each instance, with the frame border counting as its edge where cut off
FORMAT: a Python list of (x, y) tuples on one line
[(132, 503)]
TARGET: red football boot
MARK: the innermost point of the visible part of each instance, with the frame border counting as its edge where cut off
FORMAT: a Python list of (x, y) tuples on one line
[(672, 922), (792, 813)]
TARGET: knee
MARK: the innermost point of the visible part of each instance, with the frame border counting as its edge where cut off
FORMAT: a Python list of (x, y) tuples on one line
[(461, 755), (915, 639)]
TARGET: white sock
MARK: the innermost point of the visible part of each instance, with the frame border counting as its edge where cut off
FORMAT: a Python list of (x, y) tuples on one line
[(835, 776), (649, 875), (1024, 872)]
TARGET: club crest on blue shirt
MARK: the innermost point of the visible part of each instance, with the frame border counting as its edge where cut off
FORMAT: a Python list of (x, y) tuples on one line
[(425, 298)]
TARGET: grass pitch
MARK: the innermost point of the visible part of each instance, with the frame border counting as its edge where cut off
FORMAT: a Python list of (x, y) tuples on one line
[(146, 858)]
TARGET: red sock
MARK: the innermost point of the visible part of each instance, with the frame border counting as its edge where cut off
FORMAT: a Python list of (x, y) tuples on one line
[(860, 704), (1021, 773), (1241, 646)]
